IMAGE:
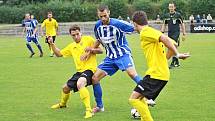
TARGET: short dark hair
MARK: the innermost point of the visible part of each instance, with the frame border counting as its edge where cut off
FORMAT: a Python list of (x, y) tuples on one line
[(172, 3), (49, 12), (140, 18), (102, 7), (74, 28)]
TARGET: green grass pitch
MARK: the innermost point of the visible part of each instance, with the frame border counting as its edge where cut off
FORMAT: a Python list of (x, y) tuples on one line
[(28, 87)]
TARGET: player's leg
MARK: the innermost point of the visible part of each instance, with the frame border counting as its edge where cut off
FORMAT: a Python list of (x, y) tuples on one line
[(126, 63), (98, 75), (46, 41), (105, 68), (177, 64), (131, 71), (28, 40), (65, 94), (84, 80), (144, 90), (70, 85), (140, 105), (51, 51), (175, 61), (35, 40)]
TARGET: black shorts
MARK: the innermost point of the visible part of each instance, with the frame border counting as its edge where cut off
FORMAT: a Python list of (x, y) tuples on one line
[(175, 37), (150, 88), (53, 37), (72, 82)]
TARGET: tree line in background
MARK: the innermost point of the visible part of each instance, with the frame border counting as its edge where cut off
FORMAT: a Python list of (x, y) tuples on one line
[(12, 11)]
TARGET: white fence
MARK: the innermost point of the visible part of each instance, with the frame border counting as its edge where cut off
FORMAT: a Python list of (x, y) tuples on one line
[(86, 28)]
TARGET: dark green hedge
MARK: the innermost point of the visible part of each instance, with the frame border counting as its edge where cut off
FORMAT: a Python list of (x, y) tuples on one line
[(77, 10)]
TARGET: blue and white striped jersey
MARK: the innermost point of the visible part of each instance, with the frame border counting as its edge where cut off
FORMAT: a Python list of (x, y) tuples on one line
[(112, 37), (35, 21), (30, 25)]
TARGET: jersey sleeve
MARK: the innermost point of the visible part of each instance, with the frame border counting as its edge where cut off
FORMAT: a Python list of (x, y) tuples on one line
[(180, 18), (96, 32), (33, 24), (125, 26), (66, 52), (56, 24), (43, 24)]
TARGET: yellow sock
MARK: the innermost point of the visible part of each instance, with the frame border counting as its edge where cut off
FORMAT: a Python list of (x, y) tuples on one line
[(85, 97), (64, 98), (142, 108), (51, 51)]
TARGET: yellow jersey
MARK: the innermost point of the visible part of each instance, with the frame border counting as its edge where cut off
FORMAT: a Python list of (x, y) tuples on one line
[(50, 26), (75, 50), (155, 54)]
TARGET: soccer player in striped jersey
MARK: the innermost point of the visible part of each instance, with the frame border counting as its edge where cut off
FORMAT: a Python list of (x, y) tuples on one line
[(110, 33), (31, 34)]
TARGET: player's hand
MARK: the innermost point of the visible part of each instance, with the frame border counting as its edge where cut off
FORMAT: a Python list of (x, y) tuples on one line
[(58, 33), (183, 55), (85, 56), (88, 49)]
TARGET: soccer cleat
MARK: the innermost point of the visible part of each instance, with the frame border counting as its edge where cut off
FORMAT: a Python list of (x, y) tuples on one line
[(88, 114), (32, 54), (177, 65), (41, 54), (98, 109), (57, 106), (51, 55), (151, 102)]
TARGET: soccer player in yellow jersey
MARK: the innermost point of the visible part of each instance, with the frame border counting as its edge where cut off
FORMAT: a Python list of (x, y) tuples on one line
[(85, 69), (51, 27), (153, 43)]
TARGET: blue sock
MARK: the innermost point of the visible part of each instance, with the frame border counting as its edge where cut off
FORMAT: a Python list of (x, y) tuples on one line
[(29, 47), (98, 94), (40, 48), (137, 79)]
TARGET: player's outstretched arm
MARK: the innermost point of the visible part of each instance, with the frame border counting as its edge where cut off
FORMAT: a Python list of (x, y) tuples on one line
[(54, 48), (95, 49), (91, 50), (172, 50)]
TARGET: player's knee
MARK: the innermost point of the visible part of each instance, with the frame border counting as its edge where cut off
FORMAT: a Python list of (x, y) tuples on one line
[(132, 74), (95, 79), (82, 82), (66, 89)]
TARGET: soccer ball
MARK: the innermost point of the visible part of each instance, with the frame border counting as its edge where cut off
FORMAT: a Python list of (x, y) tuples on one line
[(135, 114)]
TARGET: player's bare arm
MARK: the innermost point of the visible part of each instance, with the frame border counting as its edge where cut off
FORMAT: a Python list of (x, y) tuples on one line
[(183, 31), (23, 31), (167, 42), (57, 30), (35, 31), (163, 27), (54, 48), (91, 50)]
